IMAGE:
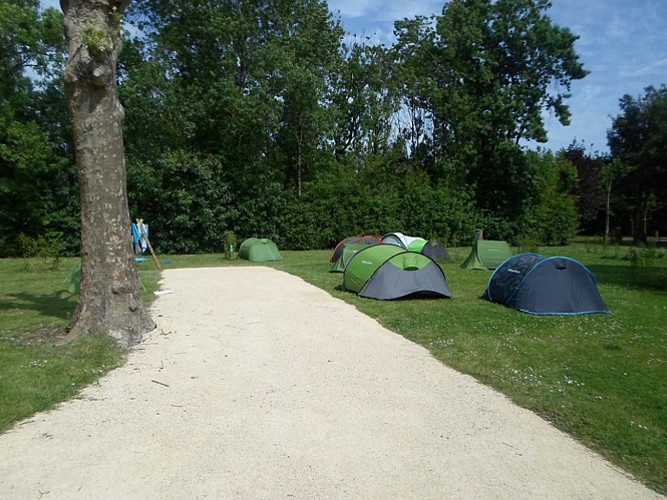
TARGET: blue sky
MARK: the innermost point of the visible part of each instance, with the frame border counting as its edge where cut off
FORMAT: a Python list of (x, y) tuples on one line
[(623, 43)]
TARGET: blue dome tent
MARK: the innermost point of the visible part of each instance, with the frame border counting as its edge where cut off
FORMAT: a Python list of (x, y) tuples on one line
[(536, 284)]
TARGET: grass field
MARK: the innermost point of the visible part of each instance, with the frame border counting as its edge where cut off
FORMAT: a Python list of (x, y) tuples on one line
[(601, 378)]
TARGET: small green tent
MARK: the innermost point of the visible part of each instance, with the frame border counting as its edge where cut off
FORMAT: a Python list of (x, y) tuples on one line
[(259, 250), (487, 254)]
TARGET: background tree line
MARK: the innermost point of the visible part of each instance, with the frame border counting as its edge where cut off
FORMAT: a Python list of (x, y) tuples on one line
[(267, 119)]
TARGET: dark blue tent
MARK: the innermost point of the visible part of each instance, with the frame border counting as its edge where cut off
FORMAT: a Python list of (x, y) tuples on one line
[(536, 284)]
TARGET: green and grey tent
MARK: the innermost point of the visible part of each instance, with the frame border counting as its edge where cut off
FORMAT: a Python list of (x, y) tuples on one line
[(389, 272), (259, 250), (487, 254)]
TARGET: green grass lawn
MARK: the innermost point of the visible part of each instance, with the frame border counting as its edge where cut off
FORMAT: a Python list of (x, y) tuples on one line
[(601, 378)]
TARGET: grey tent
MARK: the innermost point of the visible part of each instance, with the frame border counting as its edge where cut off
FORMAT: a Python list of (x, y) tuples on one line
[(536, 284), (435, 250)]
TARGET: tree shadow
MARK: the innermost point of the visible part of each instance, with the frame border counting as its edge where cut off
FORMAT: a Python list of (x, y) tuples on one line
[(647, 278), (58, 305)]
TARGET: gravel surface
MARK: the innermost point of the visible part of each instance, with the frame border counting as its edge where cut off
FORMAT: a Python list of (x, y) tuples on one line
[(257, 385)]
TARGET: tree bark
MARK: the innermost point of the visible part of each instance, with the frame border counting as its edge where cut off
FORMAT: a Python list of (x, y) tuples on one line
[(607, 210), (110, 300)]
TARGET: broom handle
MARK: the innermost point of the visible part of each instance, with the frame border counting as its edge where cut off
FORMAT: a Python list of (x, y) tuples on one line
[(144, 235), (150, 247)]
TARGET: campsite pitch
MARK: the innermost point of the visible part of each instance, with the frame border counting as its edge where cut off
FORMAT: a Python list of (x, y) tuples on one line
[(258, 385)]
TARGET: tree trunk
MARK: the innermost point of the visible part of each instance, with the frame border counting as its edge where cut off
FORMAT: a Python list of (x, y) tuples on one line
[(110, 300), (607, 211), (639, 223)]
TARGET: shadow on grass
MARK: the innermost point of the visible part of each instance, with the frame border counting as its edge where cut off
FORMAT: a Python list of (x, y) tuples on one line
[(648, 278), (57, 305)]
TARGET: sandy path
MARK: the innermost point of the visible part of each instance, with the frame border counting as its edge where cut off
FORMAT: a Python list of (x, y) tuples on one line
[(256, 385)]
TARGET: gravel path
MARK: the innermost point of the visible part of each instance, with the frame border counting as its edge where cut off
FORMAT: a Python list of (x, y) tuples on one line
[(257, 385)]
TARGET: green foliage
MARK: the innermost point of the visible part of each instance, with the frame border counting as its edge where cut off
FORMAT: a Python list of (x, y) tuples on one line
[(231, 244), (552, 216), (591, 188), (262, 119), (97, 41), (36, 185), (638, 140), (552, 222), (644, 256), (186, 202), (39, 194), (477, 80), (47, 247)]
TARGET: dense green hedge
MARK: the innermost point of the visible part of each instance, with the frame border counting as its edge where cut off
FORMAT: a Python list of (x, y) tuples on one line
[(190, 202)]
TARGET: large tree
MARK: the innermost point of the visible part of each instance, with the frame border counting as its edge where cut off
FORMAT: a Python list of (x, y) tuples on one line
[(35, 176), (638, 139), (109, 301), (591, 189), (487, 72)]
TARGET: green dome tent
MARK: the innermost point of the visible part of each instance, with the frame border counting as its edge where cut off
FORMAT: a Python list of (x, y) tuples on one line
[(487, 254), (259, 250), (389, 272)]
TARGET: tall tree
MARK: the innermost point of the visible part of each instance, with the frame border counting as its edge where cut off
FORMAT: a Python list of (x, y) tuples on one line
[(34, 170), (109, 300), (247, 81), (611, 173), (303, 41), (638, 139), (590, 190), (360, 100), (487, 71)]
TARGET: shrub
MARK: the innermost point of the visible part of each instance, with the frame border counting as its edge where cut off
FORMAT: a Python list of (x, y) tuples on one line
[(47, 246)]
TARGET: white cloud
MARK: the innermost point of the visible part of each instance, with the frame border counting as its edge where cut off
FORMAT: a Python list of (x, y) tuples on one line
[(648, 69)]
